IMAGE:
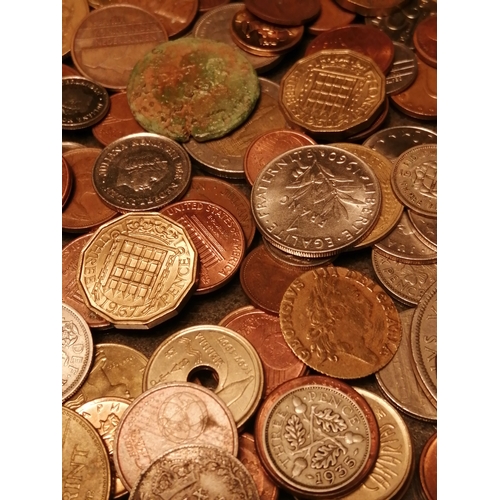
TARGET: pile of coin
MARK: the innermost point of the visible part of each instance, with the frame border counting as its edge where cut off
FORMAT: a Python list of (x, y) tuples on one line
[(249, 263)]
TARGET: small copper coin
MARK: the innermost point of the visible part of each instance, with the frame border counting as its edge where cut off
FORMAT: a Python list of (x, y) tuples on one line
[(217, 236), (67, 181), (316, 437), (69, 71), (403, 71), (264, 333), (339, 322), (207, 5), (68, 146), (166, 417), (331, 16), (110, 40), (364, 39), (425, 40), (84, 210), (285, 12), (371, 7), (267, 146), (84, 103), (426, 228), (428, 468), (141, 172), (118, 123)]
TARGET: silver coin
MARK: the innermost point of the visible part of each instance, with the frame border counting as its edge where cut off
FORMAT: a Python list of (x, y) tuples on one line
[(404, 70)]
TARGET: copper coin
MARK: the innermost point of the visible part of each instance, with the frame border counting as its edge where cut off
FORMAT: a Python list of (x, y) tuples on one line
[(67, 181), (84, 210), (69, 71), (217, 236), (206, 5), (419, 100), (262, 38), (364, 39), (267, 146), (425, 40), (111, 40), (71, 292), (426, 228), (331, 16), (141, 172), (73, 12), (227, 196), (263, 331), (428, 468), (68, 146), (285, 12), (118, 123), (316, 437), (403, 71), (371, 7)]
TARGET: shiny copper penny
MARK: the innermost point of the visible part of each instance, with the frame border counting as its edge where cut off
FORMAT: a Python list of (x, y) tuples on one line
[(340, 322), (364, 39), (118, 123), (141, 172), (73, 12), (285, 12), (84, 210), (371, 7), (403, 71), (111, 40), (264, 333), (262, 38), (217, 236), (71, 293), (316, 437), (425, 40), (166, 417), (428, 468), (84, 103), (330, 17), (67, 181), (267, 146)]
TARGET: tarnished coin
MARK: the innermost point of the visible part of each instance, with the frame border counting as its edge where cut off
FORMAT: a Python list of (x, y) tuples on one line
[(414, 179), (73, 12), (340, 322), (85, 464), (231, 359), (197, 471), (67, 181), (371, 7), (110, 40), (116, 372), (314, 201), (316, 437), (217, 236), (141, 172), (330, 17), (426, 228), (403, 71), (192, 87), (428, 468), (398, 380), (166, 417), (138, 270), (84, 103), (425, 40), (105, 415), (77, 351), (285, 12)]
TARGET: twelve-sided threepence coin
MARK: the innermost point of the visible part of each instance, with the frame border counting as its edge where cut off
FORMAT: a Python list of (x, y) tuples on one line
[(314, 201), (138, 270), (141, 172)]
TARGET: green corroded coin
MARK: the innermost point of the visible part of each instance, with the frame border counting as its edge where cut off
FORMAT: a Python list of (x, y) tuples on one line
[(192, 87)]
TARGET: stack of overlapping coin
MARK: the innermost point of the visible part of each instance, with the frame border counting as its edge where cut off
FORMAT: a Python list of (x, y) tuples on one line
[(341, 274)]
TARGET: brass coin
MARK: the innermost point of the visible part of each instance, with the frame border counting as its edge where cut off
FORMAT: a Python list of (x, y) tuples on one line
[(85, 464), (229, 356), (316, 437), (339, 322), (138, 270), (428, 468), (77, 351), (73, 12)]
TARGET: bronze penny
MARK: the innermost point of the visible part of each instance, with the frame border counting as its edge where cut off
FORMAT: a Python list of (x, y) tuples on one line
[(371, 7), (118, 123), (267, 146), (316, 437), (68, 146), (425, 40), (428, 468), (285, 12), (84, 210), (110, 40), (217, 236), (263, 331), (227, 196), (426, 228), (69, 71), (67, 181), (206, 5), (331, 16), (366, 40)]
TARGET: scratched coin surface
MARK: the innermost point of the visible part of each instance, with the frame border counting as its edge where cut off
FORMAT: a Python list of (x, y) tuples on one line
[(316, 437), (192, 87), (77, 351), (166, 417), (339, 322), (314, 201), (231, 358), (141, 172), (85, 464)]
